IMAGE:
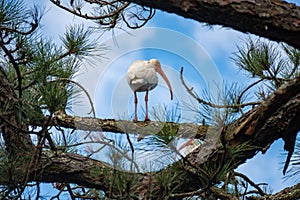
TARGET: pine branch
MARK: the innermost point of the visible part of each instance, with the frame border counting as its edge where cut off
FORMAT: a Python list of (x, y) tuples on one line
[(278, 116), (213, 105), (109, 14), (123, 126), (275, 118), (287, 193), (248, 180)]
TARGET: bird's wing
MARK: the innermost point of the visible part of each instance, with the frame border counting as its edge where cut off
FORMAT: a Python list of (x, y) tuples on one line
[(141, 76), (138, 72)]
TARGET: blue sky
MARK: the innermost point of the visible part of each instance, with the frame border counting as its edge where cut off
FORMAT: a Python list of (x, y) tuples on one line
[(203, 51)]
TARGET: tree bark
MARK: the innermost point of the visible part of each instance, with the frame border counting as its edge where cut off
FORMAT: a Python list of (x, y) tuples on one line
[(11, 123), (277, 117), (142, 128), (288, 193), (273, 19)]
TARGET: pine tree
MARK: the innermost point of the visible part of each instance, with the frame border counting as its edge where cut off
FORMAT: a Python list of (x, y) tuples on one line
[(38, 130)]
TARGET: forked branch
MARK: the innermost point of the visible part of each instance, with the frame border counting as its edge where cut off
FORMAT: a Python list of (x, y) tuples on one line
[(196, 97)]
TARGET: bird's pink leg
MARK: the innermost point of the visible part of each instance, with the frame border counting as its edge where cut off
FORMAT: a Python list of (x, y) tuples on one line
[(146, 102), (135, 107)]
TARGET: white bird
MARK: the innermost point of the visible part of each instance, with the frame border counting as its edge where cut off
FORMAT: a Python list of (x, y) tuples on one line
[(142, 77)]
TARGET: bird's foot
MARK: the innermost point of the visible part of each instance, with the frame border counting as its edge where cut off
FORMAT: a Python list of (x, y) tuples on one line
[(147, 119), (135, 120)]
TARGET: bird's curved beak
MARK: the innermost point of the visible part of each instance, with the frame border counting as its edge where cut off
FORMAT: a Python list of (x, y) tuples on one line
[(163, 75)]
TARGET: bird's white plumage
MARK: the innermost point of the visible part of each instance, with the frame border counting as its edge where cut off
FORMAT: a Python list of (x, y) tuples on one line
[(141, 76)]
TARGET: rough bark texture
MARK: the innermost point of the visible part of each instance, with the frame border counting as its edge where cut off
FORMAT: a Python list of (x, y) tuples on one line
[(273, 19), (11, 119), (288, 193), (123, 126), (278, 116)]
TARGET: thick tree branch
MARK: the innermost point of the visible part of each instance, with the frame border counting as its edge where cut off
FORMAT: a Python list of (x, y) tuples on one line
[(123, 126), (277, 117), (273, 19), (202, 101), (287, 193)]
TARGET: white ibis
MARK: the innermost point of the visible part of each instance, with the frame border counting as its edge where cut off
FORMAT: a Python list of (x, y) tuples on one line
[(142, 77)]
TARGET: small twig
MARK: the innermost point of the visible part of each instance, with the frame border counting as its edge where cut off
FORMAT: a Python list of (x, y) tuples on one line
[(38, 190), (61, 189), (15, 65), (173, 148), (145, 20), (256, 186), (132, 151), (193, 94), (63, 134), (247, 88), (71, 192), (83, 89), (109, 145), (86, 16)]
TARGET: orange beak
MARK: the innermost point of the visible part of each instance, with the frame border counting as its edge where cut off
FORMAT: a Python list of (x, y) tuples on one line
[(163, 75)]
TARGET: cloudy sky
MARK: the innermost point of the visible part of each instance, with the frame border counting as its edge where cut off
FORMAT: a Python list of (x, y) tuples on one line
[(203, 51)]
